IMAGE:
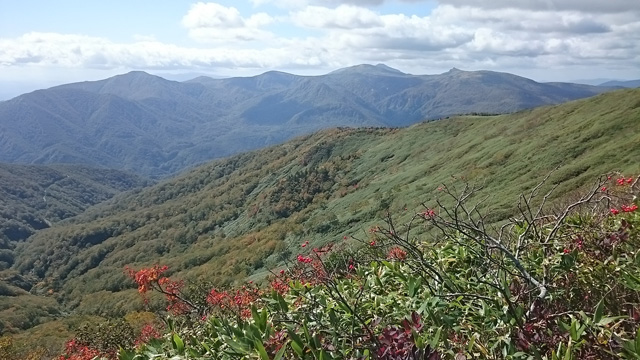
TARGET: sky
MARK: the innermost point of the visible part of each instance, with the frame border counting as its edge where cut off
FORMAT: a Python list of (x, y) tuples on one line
[(45, 43)]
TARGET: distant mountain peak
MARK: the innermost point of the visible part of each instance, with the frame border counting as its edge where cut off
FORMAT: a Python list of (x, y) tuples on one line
[(134, 80), (276, 73), (379, 69), (388, 68), (139, 74), (455, 70), (200, 78)]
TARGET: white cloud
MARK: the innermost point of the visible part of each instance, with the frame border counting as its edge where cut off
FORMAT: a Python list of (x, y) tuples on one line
[(360, 28), (212, 15), (258, 20), (524, 37), (566, 36), (140, 37), (208, 22), (295, 4), (78, 51), (585, 6), (342, 17), (511, 19)]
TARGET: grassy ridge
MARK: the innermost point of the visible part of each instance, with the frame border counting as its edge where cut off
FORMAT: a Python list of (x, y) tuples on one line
[(236, 217)]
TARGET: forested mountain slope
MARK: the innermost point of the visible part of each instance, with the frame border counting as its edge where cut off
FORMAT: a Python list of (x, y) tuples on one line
[(33, 197), (236, 217)]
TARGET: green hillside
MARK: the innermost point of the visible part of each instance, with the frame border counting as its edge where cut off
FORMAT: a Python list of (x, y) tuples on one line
[(239, 216), (33, 197)]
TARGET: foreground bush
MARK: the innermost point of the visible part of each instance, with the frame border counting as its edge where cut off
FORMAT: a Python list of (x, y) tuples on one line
[(546, 284)]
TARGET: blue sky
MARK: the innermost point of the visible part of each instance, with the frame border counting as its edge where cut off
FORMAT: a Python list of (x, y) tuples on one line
[(43, 43)]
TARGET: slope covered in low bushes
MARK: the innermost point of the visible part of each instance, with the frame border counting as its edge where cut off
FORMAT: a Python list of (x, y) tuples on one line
[(560, 283)]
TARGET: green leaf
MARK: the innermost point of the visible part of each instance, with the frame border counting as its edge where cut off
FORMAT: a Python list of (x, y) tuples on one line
[(255, 315), (607, 320), (170, 324), (631, 281), (423, 307), (237, 331), (333, 318), (316, 341), (280, 352), (629, 346), (325, 355), (581, 330), (535, 352), (206, 347), (255, 332), (261, 350), (638, 342), (177, 343), (413, 285), (344, 307), (263, 320), (297, 348), (567, 353), (563, 325), (597, 315), (283, 304), (573, 331), (435, 340), (126, 354), (471, 343), (296, 343), (239, 348)]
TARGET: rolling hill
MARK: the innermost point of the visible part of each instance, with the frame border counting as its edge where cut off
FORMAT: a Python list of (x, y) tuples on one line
[(236, 217), (34, 197), (154, 127)]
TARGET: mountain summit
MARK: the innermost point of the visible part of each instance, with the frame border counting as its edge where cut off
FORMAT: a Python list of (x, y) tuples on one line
[(379, 69)]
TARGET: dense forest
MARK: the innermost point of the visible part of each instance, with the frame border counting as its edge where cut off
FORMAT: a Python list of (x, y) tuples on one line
[(34, 197)]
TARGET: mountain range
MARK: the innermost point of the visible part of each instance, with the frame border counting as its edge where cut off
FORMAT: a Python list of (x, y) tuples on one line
[(155, 127)]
